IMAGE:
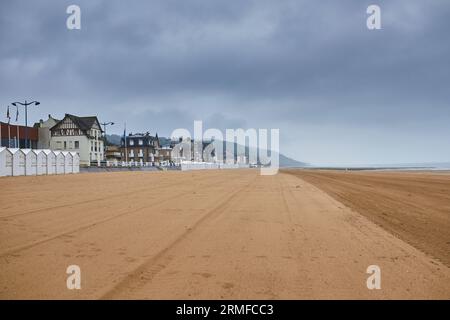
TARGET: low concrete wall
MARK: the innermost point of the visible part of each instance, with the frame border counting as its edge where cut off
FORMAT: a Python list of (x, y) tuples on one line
[(116, 169)]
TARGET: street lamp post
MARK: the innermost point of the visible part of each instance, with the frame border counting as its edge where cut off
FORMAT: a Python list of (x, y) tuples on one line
[(26, 104), (104, 124)]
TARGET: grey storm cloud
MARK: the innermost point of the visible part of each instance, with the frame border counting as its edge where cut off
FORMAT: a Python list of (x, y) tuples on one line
[(338, 92)]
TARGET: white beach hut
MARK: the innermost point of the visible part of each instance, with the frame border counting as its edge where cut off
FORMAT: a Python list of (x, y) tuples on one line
[(60, 162), (68, 162), (30, 162), (51, 161), (41, 162), (76, 162), (18, 162), (6, 162)]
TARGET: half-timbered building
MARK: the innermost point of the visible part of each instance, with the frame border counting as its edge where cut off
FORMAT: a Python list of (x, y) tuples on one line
[(79, 134)]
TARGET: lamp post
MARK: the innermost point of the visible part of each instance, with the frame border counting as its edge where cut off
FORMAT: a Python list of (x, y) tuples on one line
[(104, 124), (26, 104)]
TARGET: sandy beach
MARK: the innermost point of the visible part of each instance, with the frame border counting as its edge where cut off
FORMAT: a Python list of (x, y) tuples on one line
[(230, 234)]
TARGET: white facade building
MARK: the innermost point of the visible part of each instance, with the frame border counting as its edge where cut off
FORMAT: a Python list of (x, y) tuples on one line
[(44, 131), (79, 134)]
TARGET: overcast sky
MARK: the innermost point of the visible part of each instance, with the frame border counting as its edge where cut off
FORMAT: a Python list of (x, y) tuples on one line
[(338, 92)]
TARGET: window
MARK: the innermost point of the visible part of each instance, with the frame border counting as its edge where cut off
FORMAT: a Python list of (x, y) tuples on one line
[(131, 142), (65, 145), (77, 144), (141, 142)]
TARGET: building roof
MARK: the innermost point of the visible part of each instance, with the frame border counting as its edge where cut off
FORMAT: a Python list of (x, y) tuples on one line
[(85, 123), (137, 136), (37, 151), (48, 151), (15, 150), (27, 151), (42, 122), (142, 135)]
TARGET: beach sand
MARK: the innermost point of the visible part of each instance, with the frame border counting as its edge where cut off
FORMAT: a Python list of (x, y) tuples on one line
[(231, 234)]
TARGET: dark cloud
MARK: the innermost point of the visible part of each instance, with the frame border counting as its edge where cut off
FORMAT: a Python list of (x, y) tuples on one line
[(338, 92)]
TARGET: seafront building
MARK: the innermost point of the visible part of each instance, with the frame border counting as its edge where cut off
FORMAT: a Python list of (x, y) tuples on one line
[(43, 128), (15, 136), (141, 147), (79, 134)]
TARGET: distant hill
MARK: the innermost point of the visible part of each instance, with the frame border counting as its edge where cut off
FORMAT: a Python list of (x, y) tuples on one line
[(285, 162), (113, 139)]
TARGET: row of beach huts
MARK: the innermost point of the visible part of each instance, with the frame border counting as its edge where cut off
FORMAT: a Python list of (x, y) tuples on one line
[(31, 162)]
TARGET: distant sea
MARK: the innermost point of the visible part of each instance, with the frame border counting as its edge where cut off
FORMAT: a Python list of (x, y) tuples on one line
[(438, 166)]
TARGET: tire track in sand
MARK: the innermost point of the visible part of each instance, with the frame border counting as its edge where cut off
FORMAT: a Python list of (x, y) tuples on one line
[(146, 271), (114, 196), (89, 225)]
